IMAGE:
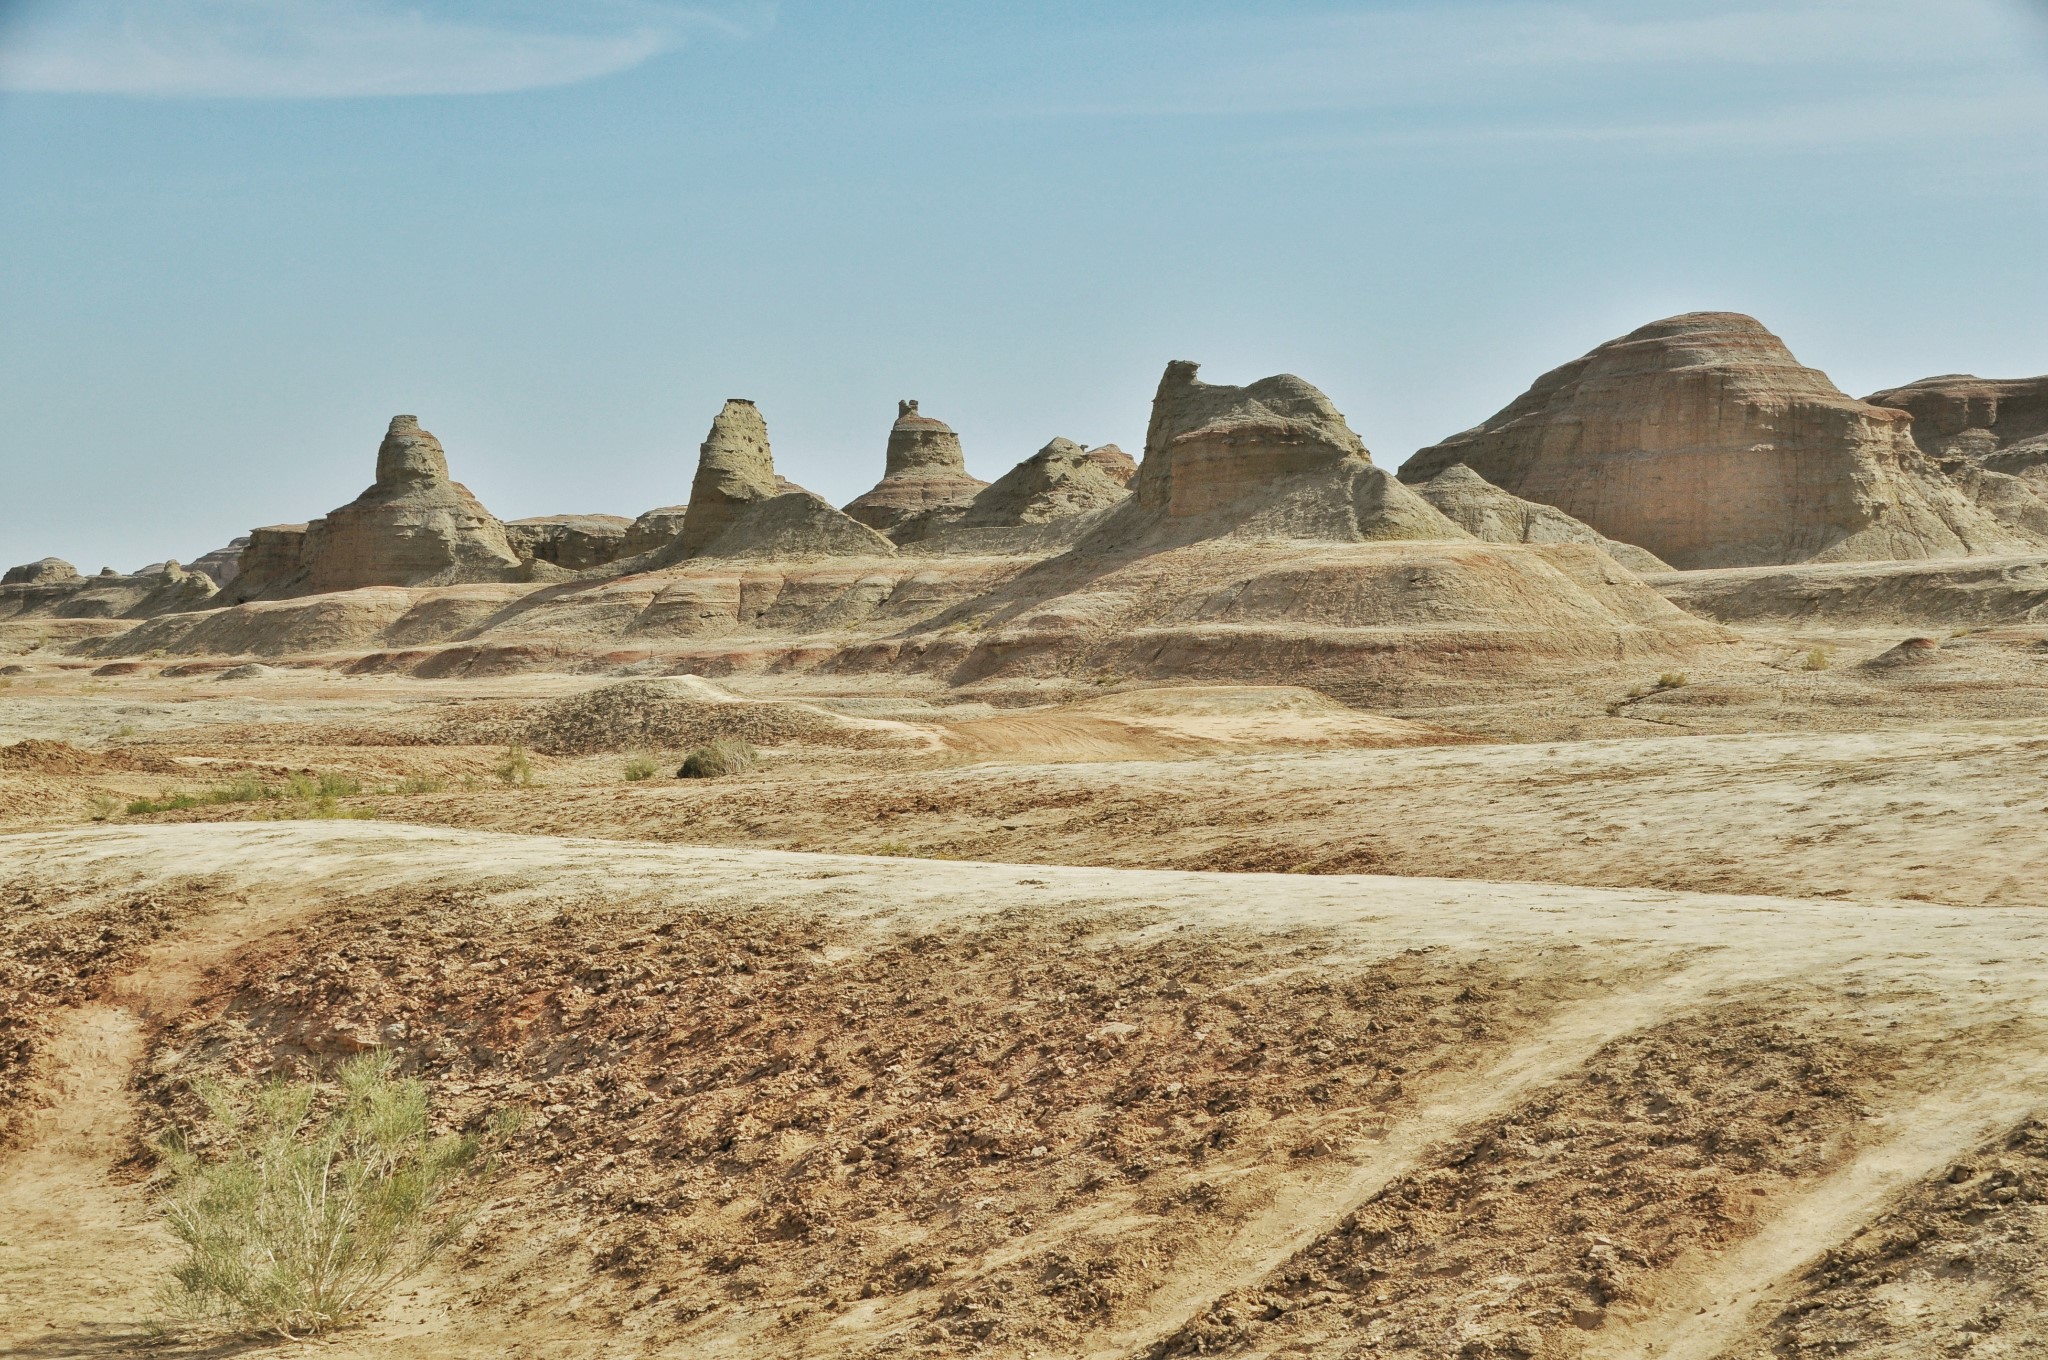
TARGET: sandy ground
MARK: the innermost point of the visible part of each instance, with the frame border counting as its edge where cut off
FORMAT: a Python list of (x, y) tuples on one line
[(1406, 1116)]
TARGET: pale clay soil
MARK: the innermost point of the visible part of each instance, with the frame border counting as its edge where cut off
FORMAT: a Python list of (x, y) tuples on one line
[(1219, 1022)]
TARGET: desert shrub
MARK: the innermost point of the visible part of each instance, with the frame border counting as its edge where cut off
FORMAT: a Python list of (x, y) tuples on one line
[(900, 849), (639, 768), (1672, 680), (299, 1206), (420, 783), (515, 768), (1816, 660), (104, 807), (719, 756)]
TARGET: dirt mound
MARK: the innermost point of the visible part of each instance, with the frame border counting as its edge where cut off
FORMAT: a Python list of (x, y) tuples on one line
[(61, 757), (673, 714), (1918, 651), (1703, 440)]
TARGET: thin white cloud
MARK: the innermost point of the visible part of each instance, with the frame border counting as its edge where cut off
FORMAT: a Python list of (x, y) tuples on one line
[(311, 49)]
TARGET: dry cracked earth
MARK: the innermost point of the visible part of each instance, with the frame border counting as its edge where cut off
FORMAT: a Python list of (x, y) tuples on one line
[(1709, 1021)]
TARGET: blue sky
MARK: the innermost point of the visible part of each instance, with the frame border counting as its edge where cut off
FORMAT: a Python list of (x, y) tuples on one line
[(237, 235)]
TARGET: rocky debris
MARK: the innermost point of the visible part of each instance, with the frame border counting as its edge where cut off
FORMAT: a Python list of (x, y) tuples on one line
[(222, 563), (1990, 436), (572, 542), (670, 714), (411, 527), (1487, 512), (1916, 651), (45, 571), (1115, 462), (1701, 439), (740, 508), (924, 469), (657, 528), (1057, 485)]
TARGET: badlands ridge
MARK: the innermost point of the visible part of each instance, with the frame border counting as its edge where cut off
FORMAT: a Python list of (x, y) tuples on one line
[(1572, 896)]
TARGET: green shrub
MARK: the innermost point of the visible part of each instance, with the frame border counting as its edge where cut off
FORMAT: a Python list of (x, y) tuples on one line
[(1672, 680), (719, 756), (515, 769), (299, 1206), (639, 768), (1816, 660), (420, 783)]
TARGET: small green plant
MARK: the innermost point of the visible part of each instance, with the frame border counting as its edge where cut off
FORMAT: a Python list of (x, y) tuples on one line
[(900, 849), (104, 807), (1672, 680), (420, 783), (639, 768), (299, 1205), (719, 756), (1816, 660), (515, 769)]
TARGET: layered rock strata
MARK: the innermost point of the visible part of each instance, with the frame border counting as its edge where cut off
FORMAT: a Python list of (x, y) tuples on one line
[(412, 526), (1032, 506), (1273, 459), (924, 468), (740, 508), (1989, 435), (1702, 440), (572, 542), (1114, 462), (222, 563), (1486, 512)]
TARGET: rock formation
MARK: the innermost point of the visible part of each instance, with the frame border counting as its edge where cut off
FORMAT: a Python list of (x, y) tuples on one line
[(572, 542), (1060, 483), (740, 508), (1989, 435), (1486, 512), (1272, 459), (413, 526), (654, 529), (1701, 439), (1120, 466), (924, 468), (44, 571), (222, 563)]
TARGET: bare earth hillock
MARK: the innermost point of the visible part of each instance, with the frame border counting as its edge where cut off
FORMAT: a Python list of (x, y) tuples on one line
[(1485, 511), (1702, 440), (672, 714)]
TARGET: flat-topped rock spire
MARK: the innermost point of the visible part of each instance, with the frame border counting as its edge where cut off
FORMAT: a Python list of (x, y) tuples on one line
[(923, 469)]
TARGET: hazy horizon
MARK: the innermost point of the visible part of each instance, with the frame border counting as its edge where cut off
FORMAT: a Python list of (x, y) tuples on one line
[(240, 236)]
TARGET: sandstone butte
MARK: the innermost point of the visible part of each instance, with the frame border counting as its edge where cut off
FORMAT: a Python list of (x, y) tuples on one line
[(923, 468), (740, 508), (412, 526), (1702, 440), (1990, 435)]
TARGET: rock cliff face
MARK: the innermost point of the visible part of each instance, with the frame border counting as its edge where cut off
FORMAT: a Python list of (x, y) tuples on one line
[(222, 563), (1702, 440), (924, 468), (1274, 459), (1989, 435), (572, 542), (1486, 512), (740, 508), (655, 528)]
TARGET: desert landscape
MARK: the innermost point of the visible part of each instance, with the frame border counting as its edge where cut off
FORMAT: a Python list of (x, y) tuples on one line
[(1574, 894)]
